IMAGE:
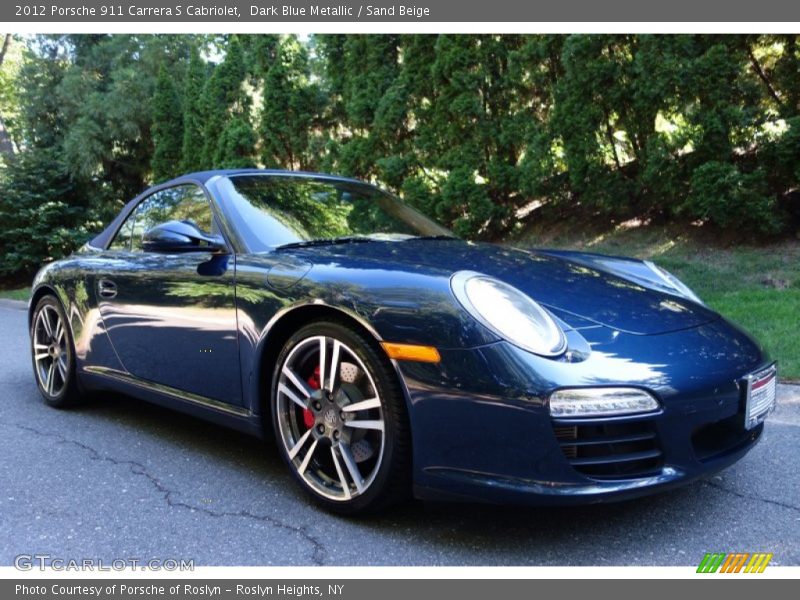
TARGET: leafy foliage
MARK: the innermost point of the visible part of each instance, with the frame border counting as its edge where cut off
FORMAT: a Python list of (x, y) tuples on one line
[(192, 146), (472, 129), (222, 101), (43, 213), (291, 106), (167, 128), (722, 194)]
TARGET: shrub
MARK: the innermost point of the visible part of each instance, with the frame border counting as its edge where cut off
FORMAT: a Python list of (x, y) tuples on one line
[(723, 195), (42, 214)]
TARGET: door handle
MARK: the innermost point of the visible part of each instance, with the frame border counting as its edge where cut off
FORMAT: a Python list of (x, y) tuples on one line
[(106, 288)]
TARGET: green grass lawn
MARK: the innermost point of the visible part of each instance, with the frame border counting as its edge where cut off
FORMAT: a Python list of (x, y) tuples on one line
[(16, 294), (758, 287)]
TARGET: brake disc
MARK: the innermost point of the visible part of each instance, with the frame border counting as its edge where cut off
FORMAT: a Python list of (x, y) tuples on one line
[(362, 450), (348, 372)]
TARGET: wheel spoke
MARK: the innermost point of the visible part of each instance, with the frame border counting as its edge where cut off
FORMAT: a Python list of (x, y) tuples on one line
[(282, 389), (54, 320), (334, 367), (299, 445), (40, 346), (323, 347), (366, 424), (41, 356), (362, 405), (298, 383), (340, 473), (352, 467), (48, 329), (51, 378), (59, 331), (307, 458), (62, 369)]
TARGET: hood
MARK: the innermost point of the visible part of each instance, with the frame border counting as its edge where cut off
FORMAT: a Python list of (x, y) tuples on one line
[(570, 288)]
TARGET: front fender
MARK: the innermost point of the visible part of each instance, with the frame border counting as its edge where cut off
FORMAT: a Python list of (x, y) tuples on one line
[(400, 306)]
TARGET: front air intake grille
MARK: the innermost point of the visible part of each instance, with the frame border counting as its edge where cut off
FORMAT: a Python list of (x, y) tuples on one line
[(611, 451)]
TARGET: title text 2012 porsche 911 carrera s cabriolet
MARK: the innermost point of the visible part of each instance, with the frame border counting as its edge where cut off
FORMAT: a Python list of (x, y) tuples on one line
[(388, 356)]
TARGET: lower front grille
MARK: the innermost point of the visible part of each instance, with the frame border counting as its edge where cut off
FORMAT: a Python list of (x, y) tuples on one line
[(611, 451)]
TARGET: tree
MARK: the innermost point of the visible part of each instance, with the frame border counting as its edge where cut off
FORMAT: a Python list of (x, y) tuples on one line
[(44, 213), (291, 107), (360, 70), (167, 128), (193, 127), (474, 130), (224, 100), (236, 145), (7, 101)]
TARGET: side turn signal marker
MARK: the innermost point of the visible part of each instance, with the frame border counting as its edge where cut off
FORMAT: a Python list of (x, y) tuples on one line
[(411, 352)]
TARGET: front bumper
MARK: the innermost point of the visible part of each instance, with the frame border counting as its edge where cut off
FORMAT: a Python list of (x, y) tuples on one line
[(482, 429)]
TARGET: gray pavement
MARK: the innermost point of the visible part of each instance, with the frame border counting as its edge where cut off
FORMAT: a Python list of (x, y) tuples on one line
[(118, 478)]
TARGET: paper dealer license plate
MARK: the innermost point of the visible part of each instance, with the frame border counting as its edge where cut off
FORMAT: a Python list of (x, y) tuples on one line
[(761, 389)]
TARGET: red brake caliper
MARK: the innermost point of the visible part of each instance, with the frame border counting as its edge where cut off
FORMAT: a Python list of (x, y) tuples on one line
[(314, 384)]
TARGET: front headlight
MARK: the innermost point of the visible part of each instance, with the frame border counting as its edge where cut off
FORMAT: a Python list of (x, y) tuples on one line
[(509, 313), (600, 402), (673, 282)]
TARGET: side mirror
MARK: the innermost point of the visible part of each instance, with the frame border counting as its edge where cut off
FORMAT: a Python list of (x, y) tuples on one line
[(180, 236)]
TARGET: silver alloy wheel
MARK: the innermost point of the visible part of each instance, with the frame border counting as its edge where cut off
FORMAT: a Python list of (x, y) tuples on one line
[(330, 418), (51, 351)]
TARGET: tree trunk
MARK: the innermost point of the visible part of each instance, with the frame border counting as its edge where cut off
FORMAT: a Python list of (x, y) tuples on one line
[(6, 44), (764, 78), (7, 150)]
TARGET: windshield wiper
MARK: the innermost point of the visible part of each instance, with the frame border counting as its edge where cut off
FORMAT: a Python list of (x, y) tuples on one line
[(346, 239)]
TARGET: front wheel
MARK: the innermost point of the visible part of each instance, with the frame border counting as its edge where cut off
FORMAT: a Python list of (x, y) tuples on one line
[(340, 420)]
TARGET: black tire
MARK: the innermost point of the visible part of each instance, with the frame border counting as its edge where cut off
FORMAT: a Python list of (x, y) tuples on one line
[(391, 477), (67, 393)]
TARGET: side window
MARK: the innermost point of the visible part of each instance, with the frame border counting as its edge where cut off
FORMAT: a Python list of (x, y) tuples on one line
[(122, 241), (181, 203), (195, 209)]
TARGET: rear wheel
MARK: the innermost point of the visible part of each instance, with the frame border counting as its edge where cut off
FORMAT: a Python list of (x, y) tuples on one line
[(340, 420), (53, 354)]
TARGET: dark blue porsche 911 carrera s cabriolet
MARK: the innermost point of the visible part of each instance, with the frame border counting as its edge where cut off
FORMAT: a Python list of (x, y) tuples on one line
[(388, 357)]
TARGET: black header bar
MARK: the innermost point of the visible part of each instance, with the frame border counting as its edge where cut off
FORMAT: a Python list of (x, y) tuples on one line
[(460, 11)]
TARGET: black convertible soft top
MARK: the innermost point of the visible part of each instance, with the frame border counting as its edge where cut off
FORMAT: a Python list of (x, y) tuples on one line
[(103, 239)]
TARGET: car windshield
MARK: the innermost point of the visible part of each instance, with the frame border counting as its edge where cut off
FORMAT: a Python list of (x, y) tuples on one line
[(274, 211)]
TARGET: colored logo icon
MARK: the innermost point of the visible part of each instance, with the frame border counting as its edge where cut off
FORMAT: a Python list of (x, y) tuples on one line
[(734, 562)]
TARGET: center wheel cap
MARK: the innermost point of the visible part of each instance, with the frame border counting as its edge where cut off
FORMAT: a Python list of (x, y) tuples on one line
[(330, 416)]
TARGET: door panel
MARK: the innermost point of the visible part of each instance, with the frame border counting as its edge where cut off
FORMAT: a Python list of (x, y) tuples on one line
[(172, 317)]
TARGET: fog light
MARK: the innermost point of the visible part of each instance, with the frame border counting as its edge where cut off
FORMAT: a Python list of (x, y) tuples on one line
[(600, 402)]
